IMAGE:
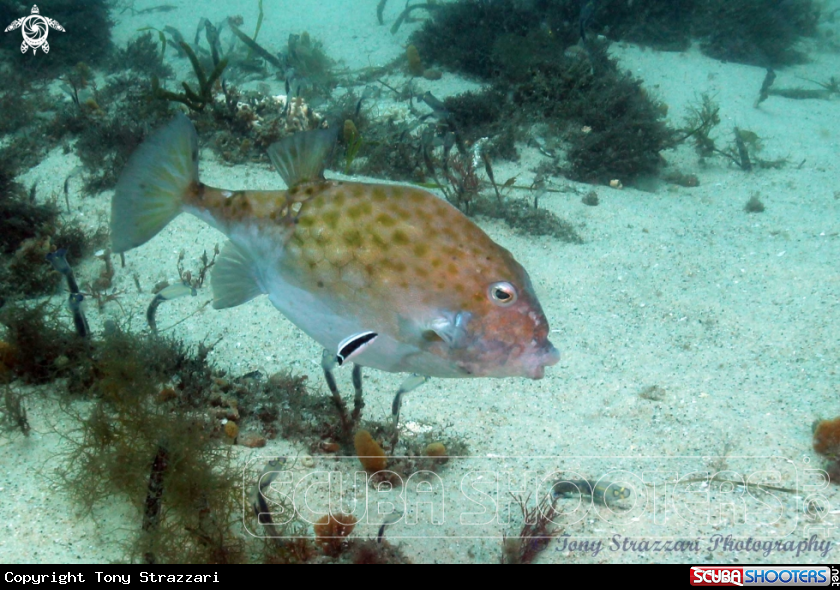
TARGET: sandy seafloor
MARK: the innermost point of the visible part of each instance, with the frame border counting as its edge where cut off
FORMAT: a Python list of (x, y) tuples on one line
[(734, 315)]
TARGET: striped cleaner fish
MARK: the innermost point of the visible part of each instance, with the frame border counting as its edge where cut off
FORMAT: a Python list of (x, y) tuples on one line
[(391, 277)]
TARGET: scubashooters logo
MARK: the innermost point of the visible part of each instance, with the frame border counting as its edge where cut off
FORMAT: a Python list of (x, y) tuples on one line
[(35, 29), (757, 575)]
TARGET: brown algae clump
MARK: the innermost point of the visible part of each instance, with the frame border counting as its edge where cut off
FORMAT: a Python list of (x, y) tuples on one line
[(332, 529)]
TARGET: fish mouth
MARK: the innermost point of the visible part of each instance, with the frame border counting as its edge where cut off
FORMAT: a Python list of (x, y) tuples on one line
[(547, 357)]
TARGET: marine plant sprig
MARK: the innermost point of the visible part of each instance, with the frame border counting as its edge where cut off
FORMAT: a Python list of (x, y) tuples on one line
[(703, 117), (195, 100), (256, 47), (538, 530), (79, 78), (353, 143), (14, 415), (407, 11), (380, 9), (161, 38), (197, 281), (829, 88), (258, 27)]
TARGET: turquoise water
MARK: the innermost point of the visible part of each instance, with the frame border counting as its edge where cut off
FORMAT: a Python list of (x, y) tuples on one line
[(698, 340)]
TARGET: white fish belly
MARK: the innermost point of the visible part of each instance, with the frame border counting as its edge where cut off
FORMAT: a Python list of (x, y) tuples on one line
[(319, 321)]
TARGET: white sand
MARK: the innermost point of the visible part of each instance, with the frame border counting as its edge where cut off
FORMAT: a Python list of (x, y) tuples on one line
[(734, 315)]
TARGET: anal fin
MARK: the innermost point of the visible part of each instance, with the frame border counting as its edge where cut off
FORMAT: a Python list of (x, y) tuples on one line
[(234, 278)]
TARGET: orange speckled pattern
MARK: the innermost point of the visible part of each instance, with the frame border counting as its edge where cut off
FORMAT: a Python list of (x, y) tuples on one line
[(394, 242)]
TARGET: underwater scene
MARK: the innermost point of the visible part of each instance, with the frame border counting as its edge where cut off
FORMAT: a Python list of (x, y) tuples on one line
[(456, 281)]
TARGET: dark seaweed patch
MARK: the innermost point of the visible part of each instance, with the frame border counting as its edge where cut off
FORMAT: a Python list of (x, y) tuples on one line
[(539, 71)]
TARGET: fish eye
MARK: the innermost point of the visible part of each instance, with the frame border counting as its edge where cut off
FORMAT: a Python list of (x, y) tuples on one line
[(502, 293)]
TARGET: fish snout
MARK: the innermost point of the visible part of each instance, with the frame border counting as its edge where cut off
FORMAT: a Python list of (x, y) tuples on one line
[(544, 357)]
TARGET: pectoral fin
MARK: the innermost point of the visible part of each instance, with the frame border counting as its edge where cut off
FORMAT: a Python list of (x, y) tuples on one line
[(451, 328), (234, 278)]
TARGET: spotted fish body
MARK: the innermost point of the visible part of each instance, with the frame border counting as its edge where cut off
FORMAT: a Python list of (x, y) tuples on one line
[(343, 258)]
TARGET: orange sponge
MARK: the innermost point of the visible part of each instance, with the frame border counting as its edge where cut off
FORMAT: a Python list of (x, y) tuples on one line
[(436, 449), (415, 65), (827, 438), (371, 455)]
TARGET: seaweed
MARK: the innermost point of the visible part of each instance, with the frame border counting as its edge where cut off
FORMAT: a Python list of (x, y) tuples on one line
[(542, 64), (612, 128), (14, 413), (169, 464), (460, 185), (769, 78), (29, 230), (747, 31), (391, 152), (486, 114), (380, 9), (404, 15), (163, 453), (254, 46), (22, 100), (828, 89), (44, 349), (661, 24), (353, 142), (462, 35), (259, 21), (109, 128), (743, 160), (197, 99), (529, 219), (306, 58), (538, 530), (144, 56), (703, 116), (754, 32), (21, 218)]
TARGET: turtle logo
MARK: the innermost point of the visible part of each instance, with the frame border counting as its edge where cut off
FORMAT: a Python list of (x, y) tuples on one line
[(35, 29)]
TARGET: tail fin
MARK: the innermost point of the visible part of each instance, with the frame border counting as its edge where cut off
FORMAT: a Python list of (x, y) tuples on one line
[(152, 187)]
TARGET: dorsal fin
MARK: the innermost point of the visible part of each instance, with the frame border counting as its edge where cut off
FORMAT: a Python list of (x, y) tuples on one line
[(301, 157)]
